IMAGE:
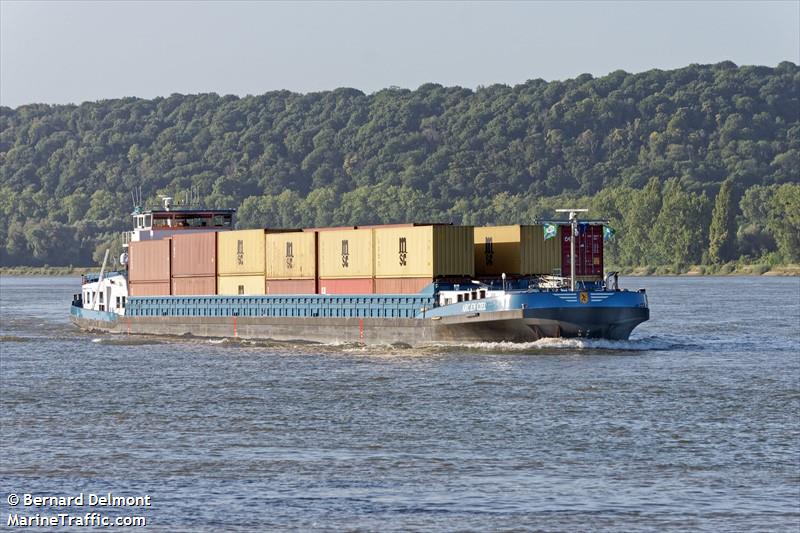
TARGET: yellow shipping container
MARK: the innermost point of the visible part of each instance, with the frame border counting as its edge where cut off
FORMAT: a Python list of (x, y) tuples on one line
[(291, 255), (236, 285), (240, 252), (346, 253), (516, 250), (424, 251)]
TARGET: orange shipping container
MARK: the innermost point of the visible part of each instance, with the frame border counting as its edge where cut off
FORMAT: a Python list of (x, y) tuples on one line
[(194, 254), (424, 251), (335, 228), (240, 252), (404, 225), (152, 288), (241, 285), (516, 250), (194, 286), (149, 261), (291, 255), (347, 286), (345, 254), (291, 286)]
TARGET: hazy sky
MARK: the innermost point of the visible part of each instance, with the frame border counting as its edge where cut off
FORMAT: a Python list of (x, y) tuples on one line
[(59, 52)]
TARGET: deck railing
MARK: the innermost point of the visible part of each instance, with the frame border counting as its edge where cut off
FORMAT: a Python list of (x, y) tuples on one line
[(310, 306)]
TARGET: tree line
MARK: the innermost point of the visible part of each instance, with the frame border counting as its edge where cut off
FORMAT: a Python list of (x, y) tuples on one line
[(698, 165)]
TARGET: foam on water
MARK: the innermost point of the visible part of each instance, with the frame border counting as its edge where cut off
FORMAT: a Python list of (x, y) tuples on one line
[(126, 341), (690, 425), (651, 343), (13, 338), (631, 345)]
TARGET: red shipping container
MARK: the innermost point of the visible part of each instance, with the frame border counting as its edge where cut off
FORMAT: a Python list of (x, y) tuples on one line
[(194, 286), (149, 261), (291, 286), (194, 254), (347, 286), (588, 250), (153, 288), (400, 285)]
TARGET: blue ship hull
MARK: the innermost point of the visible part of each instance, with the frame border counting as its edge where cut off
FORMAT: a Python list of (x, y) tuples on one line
[(516, 316), (591, 314)]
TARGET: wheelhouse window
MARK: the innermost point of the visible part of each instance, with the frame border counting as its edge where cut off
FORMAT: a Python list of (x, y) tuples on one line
[(222, 221), (191, 220)]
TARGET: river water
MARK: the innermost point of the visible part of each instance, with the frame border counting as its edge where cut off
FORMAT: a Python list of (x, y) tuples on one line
[(693, 424)]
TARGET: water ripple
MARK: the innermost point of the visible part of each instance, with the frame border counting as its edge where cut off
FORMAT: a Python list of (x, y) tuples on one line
[(690, 425)]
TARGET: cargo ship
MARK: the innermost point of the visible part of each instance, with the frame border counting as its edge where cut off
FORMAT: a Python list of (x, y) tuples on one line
[(187, 272)]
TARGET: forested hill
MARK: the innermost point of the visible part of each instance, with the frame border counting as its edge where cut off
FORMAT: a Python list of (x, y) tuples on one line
[(650, 151)]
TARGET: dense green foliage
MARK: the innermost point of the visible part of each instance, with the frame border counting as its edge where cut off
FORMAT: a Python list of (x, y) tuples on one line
[(648, 151), (721, 244)]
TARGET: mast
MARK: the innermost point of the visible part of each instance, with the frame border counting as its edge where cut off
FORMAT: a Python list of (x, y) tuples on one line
[(573, 224), (100, 282)]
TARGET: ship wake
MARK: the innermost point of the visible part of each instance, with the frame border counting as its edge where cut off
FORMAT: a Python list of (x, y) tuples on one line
[(645, 344)]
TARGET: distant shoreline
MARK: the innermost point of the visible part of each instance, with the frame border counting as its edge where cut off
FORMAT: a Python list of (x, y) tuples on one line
[(728, 269), (695, 270), (46, 271)]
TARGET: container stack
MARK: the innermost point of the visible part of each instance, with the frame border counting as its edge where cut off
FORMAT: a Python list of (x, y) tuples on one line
[(392, 259), (291, 262), (345, 259), (194, 264), (408, 257), (519, 250), (588, 252), (241, 262), (149, 268)]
